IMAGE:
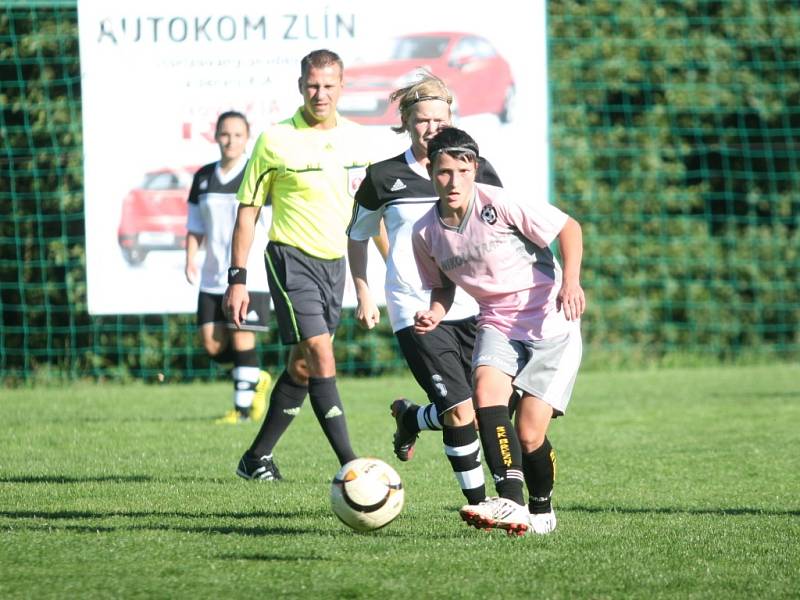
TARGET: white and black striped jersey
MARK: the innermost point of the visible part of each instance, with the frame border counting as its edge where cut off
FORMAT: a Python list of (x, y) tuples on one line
[(212, 214), (399, 191)]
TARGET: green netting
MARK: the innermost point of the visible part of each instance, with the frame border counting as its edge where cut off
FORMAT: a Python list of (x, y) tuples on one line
[(675, 141), (674, 127)]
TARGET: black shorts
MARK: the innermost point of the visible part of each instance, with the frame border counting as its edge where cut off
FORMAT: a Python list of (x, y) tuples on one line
[(209, 310), (306, 291), (441, 360)]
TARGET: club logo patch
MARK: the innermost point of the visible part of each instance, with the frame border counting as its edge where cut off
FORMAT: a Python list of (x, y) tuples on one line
[(489, 214), (355, 175)]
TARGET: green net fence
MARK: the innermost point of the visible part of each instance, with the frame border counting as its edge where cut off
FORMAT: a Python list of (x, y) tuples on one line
[(674, 129)]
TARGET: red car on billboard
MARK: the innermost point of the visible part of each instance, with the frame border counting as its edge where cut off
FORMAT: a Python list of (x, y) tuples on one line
[(154, 214), (479, 78)]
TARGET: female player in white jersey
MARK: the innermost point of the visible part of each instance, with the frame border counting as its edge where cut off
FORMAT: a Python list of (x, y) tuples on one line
[(212, 213), (497, 249), (398, 191)]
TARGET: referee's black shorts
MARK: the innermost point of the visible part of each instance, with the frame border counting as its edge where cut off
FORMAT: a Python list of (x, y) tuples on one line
[(441, 360), (306, 292)]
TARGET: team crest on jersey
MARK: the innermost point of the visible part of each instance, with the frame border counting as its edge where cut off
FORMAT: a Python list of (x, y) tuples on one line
[(355, 175), (489, 214)]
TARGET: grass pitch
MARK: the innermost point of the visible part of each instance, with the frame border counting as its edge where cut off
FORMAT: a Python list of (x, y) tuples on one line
[(671, 484)]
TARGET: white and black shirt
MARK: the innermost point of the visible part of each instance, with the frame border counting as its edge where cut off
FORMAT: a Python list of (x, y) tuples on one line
[(399, 191), (212, 214)]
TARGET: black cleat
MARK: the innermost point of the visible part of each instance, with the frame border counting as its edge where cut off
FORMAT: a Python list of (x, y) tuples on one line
[(403, 438), (263, 468)]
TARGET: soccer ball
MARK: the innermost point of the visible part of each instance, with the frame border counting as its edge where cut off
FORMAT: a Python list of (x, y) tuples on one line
[(367, 494)]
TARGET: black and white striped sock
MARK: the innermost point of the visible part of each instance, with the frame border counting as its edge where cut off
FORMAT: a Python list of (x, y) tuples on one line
[(463, 450)]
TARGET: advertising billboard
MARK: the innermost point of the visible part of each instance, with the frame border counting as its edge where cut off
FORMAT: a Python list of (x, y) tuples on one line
[(156, 75)]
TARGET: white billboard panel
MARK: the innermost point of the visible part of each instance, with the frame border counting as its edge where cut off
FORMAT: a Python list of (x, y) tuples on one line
[(155, 76)]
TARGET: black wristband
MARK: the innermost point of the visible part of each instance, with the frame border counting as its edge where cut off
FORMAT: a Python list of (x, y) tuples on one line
[(237, 275)]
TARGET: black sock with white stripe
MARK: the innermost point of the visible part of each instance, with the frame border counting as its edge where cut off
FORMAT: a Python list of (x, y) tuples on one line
[(464, 453), (330, 413), (539, 467), (503, 451), (422, 418), (245, 374)]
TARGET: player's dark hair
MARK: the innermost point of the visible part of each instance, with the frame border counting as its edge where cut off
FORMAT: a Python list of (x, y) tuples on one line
[(454, 142), (319, 59), (232, 114)]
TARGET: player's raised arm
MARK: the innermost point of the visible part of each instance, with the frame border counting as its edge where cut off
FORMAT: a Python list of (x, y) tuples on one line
[(236, 296), (571, 297)]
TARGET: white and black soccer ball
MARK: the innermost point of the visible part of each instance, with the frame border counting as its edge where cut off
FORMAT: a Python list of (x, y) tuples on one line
[(367, 494)]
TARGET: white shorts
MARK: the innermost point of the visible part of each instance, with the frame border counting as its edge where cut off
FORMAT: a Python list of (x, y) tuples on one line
[(543, 368)]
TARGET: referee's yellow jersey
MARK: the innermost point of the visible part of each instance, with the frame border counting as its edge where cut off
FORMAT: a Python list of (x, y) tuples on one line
[(311, 176)]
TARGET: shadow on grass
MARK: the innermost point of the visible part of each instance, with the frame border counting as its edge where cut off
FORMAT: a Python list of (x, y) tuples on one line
[(77, 479), (79, 514), (45, 522), (723, 512), (271, 558), (49, 521), (257, 531)]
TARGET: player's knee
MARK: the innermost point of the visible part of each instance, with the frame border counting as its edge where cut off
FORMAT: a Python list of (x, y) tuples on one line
[(530, 437), (319, 358), (460, 414), (298, 371), (213, 348)]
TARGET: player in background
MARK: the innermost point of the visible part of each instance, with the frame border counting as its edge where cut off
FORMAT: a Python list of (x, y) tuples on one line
[(498, 250), (310, 166), (397, 192), (212, 213)]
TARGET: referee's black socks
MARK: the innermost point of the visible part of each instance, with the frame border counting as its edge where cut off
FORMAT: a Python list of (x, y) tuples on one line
[(330, 413), (284, 404)]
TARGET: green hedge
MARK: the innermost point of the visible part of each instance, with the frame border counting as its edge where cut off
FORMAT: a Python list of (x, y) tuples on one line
[(674, 130)]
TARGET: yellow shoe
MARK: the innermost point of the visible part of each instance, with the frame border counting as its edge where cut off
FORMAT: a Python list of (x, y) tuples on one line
[(260, 398), (232, 417)]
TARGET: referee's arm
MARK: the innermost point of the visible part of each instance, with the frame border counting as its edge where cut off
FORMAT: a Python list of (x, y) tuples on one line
[(236, 298)]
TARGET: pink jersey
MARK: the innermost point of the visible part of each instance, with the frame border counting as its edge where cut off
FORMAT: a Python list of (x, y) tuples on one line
[(500, 256)]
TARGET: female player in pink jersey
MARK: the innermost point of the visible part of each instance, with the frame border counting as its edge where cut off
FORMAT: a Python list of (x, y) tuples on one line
[(497, 249)]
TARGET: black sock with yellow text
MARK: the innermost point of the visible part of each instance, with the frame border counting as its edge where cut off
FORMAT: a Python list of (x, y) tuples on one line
[(503, 451)]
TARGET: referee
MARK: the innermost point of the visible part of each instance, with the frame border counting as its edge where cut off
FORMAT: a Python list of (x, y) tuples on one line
[(309, 166)]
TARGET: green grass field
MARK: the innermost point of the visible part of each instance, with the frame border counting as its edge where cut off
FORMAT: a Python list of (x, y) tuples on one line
[(671, 484)]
